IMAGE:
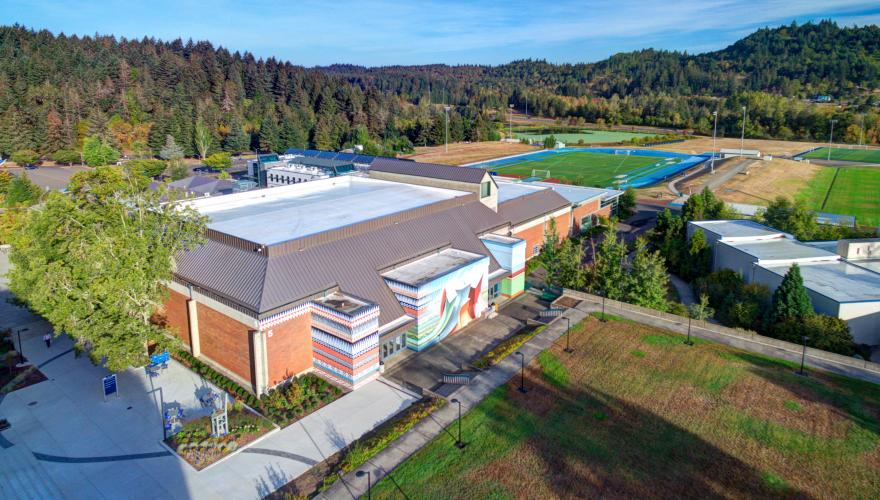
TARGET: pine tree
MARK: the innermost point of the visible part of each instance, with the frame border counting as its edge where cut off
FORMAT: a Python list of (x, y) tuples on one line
[(790, 300), (647, 281), (237, 140), (698, 261), (292, 135), (269, 135), (609, 278)]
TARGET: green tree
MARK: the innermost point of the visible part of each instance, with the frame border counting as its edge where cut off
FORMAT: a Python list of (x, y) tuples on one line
[(701, 310), (790, 300), (171, 151), (548, 253), (269, 134), (627, 203), (647, 280), (25, 156), (823, 332), (97, 151), (220, 161), (21, 191), (569, 268), (94, 262), (550, 142), (68, 156), (609, 278), (177, 171), (791, 217), (147, 168), (203, 139), (237, 140), (699, 256)]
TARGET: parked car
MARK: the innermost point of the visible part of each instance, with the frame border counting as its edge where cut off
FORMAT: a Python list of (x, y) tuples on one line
[(30, 166)]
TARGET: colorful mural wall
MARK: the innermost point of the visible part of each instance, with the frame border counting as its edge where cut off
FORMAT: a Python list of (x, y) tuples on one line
[(511, 255), (445, 304), (346, 347)]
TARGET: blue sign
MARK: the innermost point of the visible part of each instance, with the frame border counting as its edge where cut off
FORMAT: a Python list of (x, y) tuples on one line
[(110, 386)]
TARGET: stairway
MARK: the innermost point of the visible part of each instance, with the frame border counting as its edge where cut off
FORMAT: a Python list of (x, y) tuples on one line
[(23, 477)]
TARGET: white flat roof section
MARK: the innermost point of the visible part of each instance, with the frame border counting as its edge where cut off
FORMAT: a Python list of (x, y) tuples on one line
[(270, 216), (781, 249), (839, 281), (872, 265), (738, 229), (500, 238), (511, 190), (432, 267)]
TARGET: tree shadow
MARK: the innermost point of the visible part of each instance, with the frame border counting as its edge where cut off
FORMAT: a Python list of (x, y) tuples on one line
[(275, 478)]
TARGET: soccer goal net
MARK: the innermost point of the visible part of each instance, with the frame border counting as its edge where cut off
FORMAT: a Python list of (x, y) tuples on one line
[(543, 174), (622, 151)]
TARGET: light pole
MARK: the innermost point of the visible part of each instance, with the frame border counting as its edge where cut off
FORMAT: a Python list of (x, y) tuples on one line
[(689, 341), (458, 443), (603, 319), (742, 138), (522, 372), (803, 355), (510, 120), (568, 348), (831, 139), (714, 131), (862, 130), (20, 353), (361, 473), (446, 114)]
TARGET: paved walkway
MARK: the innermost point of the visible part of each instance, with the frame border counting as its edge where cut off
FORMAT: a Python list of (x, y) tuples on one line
[(353, 487)]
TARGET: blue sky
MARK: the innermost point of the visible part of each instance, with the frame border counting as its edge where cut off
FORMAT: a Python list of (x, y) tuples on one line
[(387, 32)]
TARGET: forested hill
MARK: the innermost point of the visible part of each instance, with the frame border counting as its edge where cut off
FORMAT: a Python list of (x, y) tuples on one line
[(57, 90)]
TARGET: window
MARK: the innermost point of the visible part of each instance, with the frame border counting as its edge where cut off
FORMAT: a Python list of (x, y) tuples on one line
[(495, 290), (486, 189), (392, 346)]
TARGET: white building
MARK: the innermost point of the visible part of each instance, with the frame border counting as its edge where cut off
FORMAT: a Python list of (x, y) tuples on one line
[(296, 169), (844, 283)]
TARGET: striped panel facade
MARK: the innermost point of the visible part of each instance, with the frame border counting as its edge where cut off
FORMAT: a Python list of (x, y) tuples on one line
[(346, 348)]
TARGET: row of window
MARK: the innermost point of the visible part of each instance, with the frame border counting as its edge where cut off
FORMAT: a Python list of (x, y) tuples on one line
[(392, 346)]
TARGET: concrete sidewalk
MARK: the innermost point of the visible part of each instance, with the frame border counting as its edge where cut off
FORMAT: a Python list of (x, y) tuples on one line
[(470, 395)]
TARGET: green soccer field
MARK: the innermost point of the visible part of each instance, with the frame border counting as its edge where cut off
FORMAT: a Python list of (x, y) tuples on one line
[(588, 136), (846, 191), (863, 155), (587, 169)]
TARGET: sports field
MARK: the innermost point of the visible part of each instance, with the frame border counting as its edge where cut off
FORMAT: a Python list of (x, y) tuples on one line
[(844, 154), (846, 191), (588, 136), (586, 168), (633, 412)]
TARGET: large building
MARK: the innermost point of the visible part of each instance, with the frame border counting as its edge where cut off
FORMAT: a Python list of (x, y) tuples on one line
[(338, 274), (842, 278)]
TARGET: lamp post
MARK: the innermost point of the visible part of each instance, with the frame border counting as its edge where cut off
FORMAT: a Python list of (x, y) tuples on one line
[(803, 355), (742, 138), (20, 351), (831, 139), (603, 319), (568, 348), (510, 120), (714, 131), (458, 443), (522, 372), (446, 114), (361, 473), (689, 341)]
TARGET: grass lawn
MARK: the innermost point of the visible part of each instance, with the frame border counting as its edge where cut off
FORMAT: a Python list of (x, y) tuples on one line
[(586, 169), (635, 413), (847, 191), (863, 155), (588, 136)]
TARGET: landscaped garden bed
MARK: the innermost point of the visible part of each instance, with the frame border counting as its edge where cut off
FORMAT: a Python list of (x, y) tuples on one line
[(508, 346), (283, 405), (14, 377), (195, 444), (323, 475)]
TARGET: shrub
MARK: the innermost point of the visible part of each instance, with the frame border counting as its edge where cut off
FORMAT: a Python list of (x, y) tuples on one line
[(824, 332), (24, 156)]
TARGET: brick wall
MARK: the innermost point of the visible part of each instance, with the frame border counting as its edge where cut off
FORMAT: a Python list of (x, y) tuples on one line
[(177, 316), (289, 349), (535, 234), (225, 341)]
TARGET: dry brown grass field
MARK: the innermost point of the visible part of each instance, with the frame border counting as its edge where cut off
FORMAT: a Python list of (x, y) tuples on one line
[(463, 152), (635, 413), (766, 147), (767, 180)]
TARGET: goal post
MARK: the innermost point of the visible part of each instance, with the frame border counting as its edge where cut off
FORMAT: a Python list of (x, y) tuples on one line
[(543, 174)]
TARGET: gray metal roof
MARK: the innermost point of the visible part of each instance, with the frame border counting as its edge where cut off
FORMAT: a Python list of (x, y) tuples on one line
[(432, 170), (742, 228), (204, 185), (781, 249), (530, 206), (265, 283)]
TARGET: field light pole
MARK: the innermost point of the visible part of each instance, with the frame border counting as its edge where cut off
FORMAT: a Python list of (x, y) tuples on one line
[(510, 120), (20, 351), (603, 318), (361, 473), (522, 372), (446, 114), (689, 341), (742, 137), (803, 355), (568, 348), (714, 131), (458, 443), (862, 131), (831, 139)]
